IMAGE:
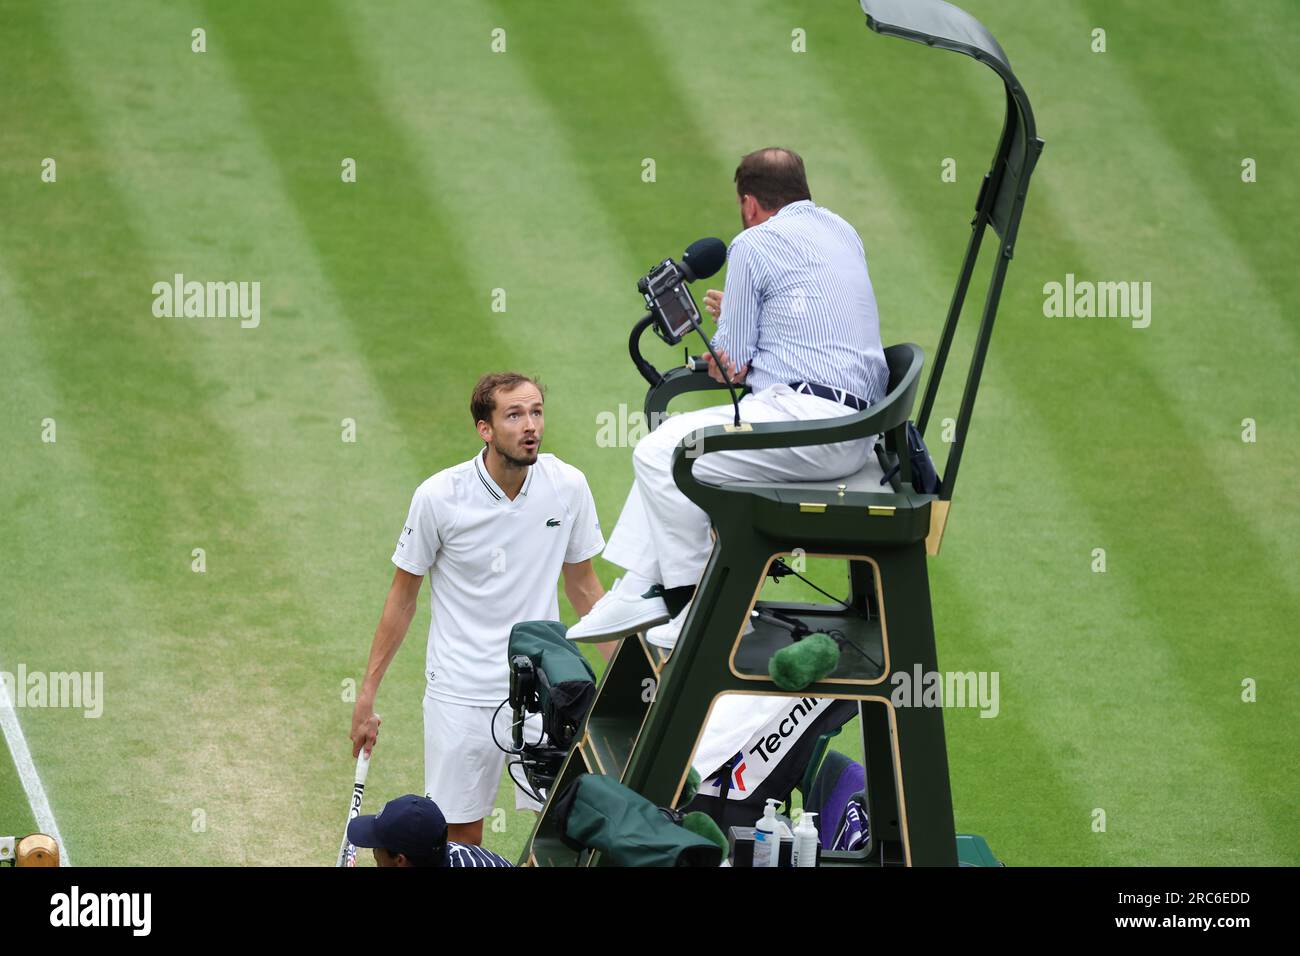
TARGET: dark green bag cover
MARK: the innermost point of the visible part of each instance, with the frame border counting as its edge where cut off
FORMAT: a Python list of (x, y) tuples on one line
[(597, 812), (572, 682)]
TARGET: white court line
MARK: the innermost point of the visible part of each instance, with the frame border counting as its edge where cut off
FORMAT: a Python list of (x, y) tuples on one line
[(27, 771)]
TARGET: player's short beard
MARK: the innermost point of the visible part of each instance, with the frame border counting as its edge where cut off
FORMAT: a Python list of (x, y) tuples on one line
[(517, 462)]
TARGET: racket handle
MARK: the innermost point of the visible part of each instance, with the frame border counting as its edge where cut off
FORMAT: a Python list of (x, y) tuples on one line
[(363, 768), (347, 852)]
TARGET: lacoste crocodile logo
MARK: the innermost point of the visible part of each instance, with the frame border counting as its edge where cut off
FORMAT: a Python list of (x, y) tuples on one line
[(552, 522)]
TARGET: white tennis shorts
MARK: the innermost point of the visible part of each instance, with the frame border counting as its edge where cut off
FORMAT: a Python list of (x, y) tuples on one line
[(462, 765)]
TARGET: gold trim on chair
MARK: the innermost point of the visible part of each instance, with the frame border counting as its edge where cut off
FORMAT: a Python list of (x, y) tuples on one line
[(938, 522)]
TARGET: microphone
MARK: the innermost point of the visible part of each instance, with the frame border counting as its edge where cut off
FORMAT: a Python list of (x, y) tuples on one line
[(703, 258), (804, 662)]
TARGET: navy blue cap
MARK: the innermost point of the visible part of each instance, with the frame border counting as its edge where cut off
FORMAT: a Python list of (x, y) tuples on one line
[(410, 824)]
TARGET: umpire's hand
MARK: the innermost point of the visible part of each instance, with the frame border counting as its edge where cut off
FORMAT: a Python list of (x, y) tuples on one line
[(715, 373), (713, 302)]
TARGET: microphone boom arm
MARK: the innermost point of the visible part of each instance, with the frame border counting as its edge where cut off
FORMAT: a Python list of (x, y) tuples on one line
[(648, 371), (653, 375)]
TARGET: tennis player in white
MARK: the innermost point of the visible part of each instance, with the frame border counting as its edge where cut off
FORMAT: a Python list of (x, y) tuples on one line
[(493, 534)]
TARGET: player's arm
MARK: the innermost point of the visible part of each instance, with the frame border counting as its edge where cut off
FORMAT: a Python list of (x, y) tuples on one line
[(399, 609), (583, 589), (581, 586)]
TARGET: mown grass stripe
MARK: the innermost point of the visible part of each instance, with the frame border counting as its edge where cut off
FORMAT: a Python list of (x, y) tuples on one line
[(1033, 370)]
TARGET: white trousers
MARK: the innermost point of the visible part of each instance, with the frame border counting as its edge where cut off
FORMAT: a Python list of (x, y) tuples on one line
[(662, 534)]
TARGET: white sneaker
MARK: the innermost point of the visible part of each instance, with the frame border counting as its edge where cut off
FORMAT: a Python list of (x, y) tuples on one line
[(665, 635), (620, 613)]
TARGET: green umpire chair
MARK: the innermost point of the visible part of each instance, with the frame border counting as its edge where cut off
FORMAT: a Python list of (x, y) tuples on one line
[(651, 707)]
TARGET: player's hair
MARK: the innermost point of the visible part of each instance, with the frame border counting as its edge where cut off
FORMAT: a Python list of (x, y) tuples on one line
[(774, 176), (483, 402)]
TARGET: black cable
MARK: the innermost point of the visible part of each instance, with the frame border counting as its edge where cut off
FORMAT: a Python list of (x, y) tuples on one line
[(525, 787), (505, 750), (520, 754), (536, 794), (840, 601), (511, 750), (797, 628), (838, 637), (735, 402), (835, 634)]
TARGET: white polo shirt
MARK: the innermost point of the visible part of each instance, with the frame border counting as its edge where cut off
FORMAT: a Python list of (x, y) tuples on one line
[(492, 563)]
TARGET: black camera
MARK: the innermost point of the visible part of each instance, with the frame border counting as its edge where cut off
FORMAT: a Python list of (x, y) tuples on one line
[(540, 760), (548, 677), (563, 705)]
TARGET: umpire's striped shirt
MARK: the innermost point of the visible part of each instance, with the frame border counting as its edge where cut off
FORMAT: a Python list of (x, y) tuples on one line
[(798, 307), (466, 854)]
